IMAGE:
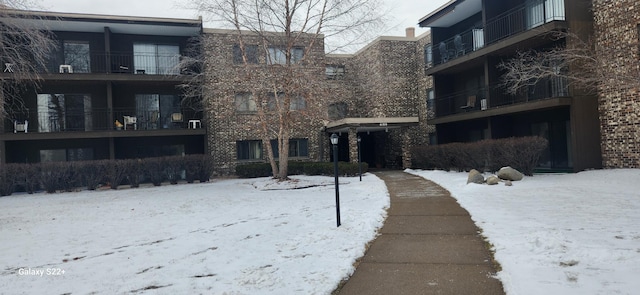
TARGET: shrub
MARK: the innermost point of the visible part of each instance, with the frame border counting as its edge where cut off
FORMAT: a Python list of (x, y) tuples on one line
[(153, 168), (134, 172), (27, 176), (116, 172), (521, 153), (173, 167), (52, 175), (301, 168), (92, 173), (198, 167), (7, 179)]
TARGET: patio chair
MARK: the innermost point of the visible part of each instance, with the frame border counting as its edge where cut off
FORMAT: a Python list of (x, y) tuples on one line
[(471, 103), (130, 120)]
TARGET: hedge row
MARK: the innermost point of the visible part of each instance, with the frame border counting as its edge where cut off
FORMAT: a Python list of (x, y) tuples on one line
[(70, 176), (522, 153), (301, 168)]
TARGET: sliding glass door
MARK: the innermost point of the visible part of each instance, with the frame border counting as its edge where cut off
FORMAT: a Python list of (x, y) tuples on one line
[(64, 112), (155, 110), (156, 59)]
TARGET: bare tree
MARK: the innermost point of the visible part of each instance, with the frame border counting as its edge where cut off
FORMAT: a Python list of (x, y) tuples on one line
[(286, 85), (578, 60), (24, 49)]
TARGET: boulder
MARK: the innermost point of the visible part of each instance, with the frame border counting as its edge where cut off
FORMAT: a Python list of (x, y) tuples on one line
[(508, 173), (491, 180), (508, 183), (475, 177)]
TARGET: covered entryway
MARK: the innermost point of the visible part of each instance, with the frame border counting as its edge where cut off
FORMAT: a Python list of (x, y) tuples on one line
[(383, 141)]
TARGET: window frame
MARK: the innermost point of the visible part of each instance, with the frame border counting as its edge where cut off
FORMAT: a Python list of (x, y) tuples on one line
[(251, 52), (252, 146), (334, 72), (301, 146), (246, 100), (277, 55)]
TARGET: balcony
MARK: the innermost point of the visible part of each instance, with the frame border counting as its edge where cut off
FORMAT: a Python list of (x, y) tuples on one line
[(113, 63), (526, 17), (495, 96), (97, 120)]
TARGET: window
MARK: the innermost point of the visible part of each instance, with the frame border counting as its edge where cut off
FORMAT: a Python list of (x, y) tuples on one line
[(156, 59), (338, 110), (249, 149), (63, 155), (428, 55), (334, 72), (297, 102), (431, 98), (77, 55), (245, 103), (64, 112), (251, 53), (279, 55), (298, 147), (154, 111)]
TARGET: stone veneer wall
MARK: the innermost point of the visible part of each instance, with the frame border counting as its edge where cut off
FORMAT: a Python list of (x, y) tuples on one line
[(616, 28), (384, 79)]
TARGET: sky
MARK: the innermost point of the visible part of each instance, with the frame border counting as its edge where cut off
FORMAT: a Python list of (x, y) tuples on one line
[(403, 13)]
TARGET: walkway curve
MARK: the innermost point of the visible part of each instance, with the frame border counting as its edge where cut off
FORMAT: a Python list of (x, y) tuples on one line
[(428, 245)]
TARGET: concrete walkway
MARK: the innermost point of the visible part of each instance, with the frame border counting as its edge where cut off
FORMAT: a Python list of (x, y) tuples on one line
[(428, 245)]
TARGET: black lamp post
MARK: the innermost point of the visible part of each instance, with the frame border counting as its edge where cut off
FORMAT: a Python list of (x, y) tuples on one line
[(359, 159), (334, 142)]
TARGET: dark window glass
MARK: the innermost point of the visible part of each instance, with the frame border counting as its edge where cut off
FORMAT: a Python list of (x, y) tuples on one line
[(251, 53)]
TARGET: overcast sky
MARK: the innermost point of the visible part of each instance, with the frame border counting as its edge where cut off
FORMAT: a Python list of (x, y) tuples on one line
[(405, 13)]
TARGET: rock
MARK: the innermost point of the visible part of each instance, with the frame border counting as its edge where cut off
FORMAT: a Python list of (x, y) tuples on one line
[(508, 173), (491, 180), (508, 183), (475, 177)]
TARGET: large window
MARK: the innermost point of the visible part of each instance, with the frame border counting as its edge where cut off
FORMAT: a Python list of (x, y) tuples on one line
[(244, 102), (156, 110), (156, 59), (249, 149), (298, 147), (63, 155), (278, 55), (64, 112), (296, 103), (77, 55), (251, 53), (334, 72)]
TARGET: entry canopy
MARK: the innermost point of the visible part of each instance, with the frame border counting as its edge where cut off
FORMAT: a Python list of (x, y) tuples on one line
[(371, 124)]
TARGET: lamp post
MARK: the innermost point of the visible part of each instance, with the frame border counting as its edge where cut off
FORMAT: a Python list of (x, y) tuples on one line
[(359, 159), (334, 142)]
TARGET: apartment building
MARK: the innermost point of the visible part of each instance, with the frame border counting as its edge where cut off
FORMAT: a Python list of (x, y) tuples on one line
[(109, 91), (374, 94), (617, 35), (468, 100)]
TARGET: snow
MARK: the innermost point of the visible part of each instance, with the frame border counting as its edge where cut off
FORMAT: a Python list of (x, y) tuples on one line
[(234, 236), (558, 233)]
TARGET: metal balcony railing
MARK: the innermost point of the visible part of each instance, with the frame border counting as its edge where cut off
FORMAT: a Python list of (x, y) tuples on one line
[(118, 62), (522, 18), (495, 96), (101, 120)]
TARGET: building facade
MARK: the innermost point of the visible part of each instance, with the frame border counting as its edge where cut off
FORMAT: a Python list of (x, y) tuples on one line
[(617, 27), (374, 94), (109, 91), (471, 38)]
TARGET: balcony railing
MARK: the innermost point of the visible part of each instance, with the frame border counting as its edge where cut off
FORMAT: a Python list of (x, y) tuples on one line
[(118, 62), (520, 19), (102, 120), (495, 96)]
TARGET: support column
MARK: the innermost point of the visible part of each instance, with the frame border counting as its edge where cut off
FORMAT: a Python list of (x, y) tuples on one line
[(353, 145), (3, 153), (406, 148)]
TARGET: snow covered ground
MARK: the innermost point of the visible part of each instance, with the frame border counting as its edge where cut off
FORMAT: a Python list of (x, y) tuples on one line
[(247, 236), (559, 234)]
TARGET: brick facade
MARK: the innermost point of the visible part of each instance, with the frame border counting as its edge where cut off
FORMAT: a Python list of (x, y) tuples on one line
[(383, 79), (616, 29)]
